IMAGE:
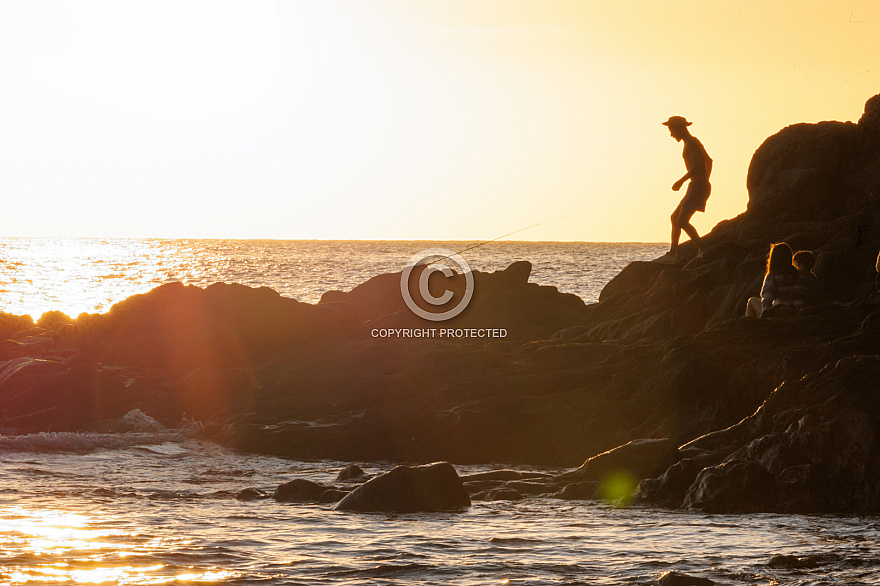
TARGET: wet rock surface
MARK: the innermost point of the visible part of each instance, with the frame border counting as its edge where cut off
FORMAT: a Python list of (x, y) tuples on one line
[(679, 579), (407, 489)]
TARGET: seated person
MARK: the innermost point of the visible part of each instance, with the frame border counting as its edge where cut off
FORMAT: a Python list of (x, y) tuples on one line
[(877, 276), (779, 278), (804, 293)]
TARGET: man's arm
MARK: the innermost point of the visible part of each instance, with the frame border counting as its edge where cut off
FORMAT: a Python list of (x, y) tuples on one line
[(677, 185), (696, 160)]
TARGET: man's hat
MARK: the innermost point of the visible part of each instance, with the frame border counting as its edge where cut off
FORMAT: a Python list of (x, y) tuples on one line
[(677, 121)]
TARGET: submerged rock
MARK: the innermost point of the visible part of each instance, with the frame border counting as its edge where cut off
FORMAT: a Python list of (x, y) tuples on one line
[(251, 494), (407, 489), (791, 562), (674, 578)]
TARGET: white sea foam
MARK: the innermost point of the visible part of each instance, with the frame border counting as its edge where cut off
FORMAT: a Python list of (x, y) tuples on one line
[(81, 443)]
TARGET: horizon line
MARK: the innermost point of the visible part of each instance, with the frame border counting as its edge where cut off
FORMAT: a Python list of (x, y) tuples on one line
[(327, 239)]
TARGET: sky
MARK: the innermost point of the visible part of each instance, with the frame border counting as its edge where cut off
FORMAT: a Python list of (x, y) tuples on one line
[(380, 119)]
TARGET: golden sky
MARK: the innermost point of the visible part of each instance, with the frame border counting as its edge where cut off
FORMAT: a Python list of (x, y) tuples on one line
[(368, 119)]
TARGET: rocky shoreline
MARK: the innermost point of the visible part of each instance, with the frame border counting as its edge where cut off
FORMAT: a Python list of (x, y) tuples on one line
[(750, 415)]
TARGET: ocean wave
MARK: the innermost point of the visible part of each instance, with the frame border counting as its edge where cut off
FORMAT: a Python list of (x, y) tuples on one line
[(61, 442)]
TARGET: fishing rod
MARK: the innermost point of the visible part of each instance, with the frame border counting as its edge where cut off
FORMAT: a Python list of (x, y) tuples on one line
[(508, 234), (498, 238)]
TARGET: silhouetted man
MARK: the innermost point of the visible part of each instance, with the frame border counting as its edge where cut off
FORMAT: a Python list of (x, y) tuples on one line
[(699, 167)]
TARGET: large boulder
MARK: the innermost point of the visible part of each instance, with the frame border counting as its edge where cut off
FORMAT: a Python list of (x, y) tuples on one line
[(408, 489), (794, 171)]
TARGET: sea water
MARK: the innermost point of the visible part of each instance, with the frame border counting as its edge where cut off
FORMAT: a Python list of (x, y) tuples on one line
[(76, 275), (158, 507)]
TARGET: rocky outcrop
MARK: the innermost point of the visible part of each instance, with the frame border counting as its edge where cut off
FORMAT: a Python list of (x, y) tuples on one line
[(407, 489), (814, 186), (782, 408), (812, 447), (185, 327), (502, 299)]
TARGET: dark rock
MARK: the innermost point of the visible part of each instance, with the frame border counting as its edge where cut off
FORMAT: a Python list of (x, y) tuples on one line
[(674, 578), (669, 488), (790, 562), (10, 325), (870, 120), (333, 495), (177, 326), (433, 487), (516, 275), (299, 490), (802, 164), (349, 473), (733, 487), (811, 448), (636, 277), (251, 494), (502, 299), (642, 458), (580, 491)]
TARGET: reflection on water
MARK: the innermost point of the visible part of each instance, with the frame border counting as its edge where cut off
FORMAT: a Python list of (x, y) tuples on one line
[(37, 539), (129, 515), (76, 275)]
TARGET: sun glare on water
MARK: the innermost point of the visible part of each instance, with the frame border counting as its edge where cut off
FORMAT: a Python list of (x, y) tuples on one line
[(88, 275), (68, 548)]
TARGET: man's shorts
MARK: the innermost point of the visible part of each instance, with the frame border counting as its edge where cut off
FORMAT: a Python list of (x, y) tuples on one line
[(697, 194)]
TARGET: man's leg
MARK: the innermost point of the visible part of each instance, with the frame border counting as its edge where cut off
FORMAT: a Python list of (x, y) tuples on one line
[(676, 229), (684, 223)]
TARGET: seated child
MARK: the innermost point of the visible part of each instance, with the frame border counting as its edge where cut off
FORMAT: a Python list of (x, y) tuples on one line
[(807, 279), (803, 290)]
